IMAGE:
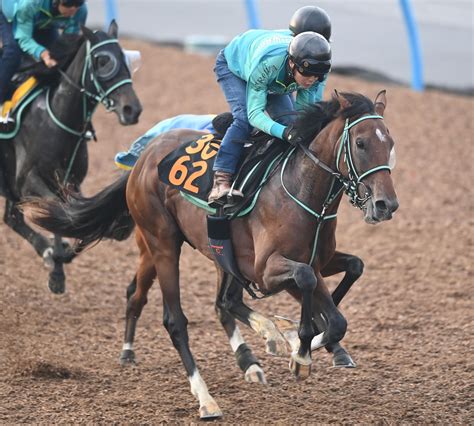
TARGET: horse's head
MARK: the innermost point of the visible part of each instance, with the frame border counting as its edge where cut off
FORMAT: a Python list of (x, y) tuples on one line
[(366, 156), (108, 74)]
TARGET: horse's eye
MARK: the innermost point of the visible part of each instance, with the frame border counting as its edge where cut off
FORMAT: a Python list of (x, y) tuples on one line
[(360, 143), (103, 61)]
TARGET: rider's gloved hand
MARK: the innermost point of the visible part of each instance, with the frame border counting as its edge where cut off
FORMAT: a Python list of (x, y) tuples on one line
[(291, 136)]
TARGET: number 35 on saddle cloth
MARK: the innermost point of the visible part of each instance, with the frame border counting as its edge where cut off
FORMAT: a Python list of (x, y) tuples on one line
[(189, 169)]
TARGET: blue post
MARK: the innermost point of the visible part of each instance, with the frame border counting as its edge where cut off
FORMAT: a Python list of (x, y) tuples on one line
[(252, 14), (415, 48), (110, 12)]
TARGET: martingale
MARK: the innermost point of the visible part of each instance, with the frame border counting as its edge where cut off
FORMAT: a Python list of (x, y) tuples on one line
[(189, 168)]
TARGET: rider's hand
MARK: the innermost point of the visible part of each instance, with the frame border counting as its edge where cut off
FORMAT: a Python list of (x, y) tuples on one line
[(48, 60), (291, 136)]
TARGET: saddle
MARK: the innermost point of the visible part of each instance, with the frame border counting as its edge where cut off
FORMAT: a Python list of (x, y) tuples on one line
[(21, 92), (189, 168)]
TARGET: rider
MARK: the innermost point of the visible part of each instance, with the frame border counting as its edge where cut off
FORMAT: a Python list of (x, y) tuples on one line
[(209, 123), (31, 26), (306, 18), (257, 71)]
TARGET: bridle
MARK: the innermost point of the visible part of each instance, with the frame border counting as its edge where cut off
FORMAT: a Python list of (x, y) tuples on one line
[(90, 97), (97, 94), (350, 183), (354, 178)]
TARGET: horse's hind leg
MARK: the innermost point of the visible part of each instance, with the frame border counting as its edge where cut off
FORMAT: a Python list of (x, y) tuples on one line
[(165, 254), (230, 293), (136, 299)]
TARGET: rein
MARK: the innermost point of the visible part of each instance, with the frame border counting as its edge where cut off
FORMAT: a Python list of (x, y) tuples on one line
[(339, 182), (100, 96)]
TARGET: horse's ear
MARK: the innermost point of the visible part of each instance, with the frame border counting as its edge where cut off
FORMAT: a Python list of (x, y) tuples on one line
[(113, 29), (380, 102), (343, 102), (89, 34)]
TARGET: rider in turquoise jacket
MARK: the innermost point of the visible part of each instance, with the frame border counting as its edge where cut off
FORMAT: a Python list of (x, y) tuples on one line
[(31, 26), (258, 71), (259, 57)]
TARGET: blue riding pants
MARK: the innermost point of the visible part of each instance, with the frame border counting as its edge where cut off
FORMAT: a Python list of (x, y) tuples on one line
[(11, 56), (235, 92)]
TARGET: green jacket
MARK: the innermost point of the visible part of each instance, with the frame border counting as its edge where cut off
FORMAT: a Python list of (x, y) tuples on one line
[(30, 15)]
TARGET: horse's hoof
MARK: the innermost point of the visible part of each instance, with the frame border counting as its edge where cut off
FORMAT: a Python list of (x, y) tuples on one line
[(277, 347), (127, 357), (301, 370), (57, 282), (343, 360), (255, 374), (210, 411)]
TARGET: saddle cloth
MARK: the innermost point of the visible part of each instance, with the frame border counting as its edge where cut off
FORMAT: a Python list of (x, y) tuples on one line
[(10, 106), (189, 167)]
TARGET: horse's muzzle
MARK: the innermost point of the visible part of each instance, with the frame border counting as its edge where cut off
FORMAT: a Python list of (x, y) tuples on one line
[(378, 210), (129, 113)]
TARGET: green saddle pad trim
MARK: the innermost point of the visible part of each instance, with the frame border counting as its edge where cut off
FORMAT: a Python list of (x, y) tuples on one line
[(23, 104), (203, 204)]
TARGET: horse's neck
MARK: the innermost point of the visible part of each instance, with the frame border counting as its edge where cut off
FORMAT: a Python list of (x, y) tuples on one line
[(313, 184), (66, 101)]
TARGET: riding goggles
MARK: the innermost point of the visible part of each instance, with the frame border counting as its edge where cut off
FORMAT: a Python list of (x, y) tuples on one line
[(71, 3), (313, 67)]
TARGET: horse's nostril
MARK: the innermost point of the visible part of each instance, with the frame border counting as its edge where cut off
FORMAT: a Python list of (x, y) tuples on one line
[(381, 206), (127, 111)]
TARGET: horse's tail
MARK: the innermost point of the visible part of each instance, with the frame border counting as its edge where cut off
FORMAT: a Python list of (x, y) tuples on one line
[(104, 215)]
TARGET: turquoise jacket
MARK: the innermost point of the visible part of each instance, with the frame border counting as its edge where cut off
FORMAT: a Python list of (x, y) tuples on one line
[(30, 15), (259, 57)]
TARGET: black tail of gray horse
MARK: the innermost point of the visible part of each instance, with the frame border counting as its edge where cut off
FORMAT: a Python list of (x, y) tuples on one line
[(104, 215)]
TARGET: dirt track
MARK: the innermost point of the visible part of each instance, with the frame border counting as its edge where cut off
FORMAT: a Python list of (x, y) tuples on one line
[(410, 316)]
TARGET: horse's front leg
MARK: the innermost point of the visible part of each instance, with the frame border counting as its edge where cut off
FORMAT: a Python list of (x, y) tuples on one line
[(229, 297), (343, 262), (353, 268), (52, 253), (282, 272)]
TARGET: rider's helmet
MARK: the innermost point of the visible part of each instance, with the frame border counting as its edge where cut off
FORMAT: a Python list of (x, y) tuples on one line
[(311, 18), (311, 54)]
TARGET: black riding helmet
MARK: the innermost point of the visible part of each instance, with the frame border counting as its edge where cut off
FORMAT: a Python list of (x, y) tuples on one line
[(311, 54), (311, 18)]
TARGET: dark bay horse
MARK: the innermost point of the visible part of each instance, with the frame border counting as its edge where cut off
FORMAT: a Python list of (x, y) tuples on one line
[(50, 148), (285, 243)]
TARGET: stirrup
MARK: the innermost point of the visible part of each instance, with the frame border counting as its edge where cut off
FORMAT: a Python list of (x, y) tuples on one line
[(226, 200)]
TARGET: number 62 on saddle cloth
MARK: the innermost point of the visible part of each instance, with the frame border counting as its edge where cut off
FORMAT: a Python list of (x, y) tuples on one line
[(189, 168)]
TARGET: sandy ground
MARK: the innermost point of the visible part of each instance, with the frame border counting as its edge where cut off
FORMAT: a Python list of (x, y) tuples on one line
[(410, 315)]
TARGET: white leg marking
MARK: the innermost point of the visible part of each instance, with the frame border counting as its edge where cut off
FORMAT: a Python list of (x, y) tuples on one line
[(199, 388), (127, 347), (236, 339), (317, 342)]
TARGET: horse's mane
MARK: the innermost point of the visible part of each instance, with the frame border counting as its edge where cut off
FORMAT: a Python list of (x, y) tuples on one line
[(315, 117), (63, 50)]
